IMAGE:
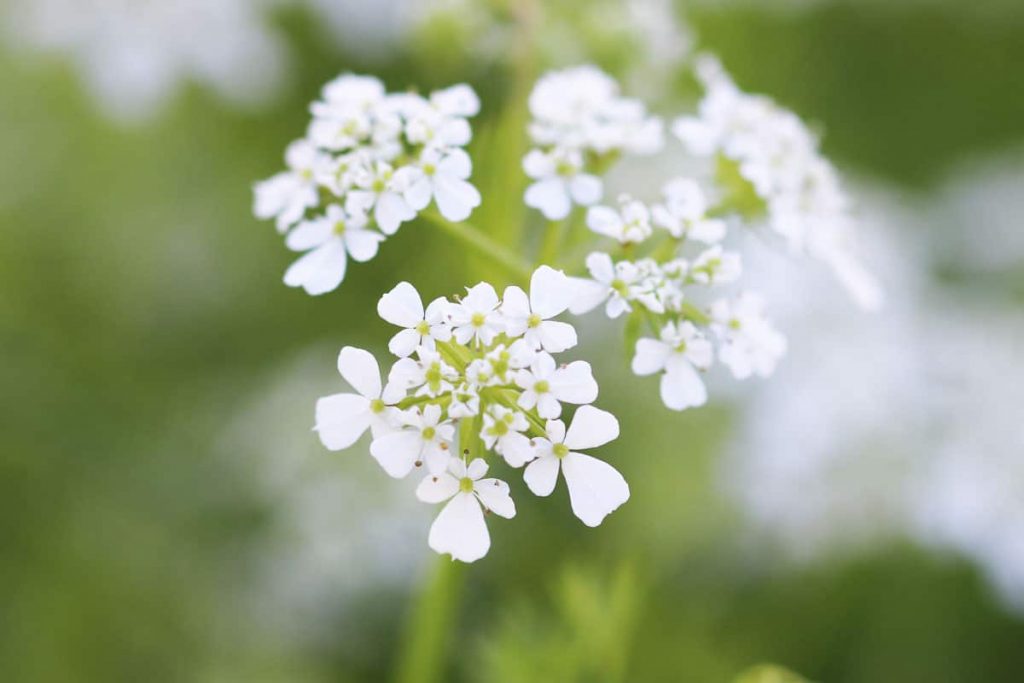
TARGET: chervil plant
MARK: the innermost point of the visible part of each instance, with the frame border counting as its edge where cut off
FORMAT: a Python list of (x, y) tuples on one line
[(476, 384)]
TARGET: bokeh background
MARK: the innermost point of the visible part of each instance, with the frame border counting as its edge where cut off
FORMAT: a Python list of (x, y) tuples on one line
[(166, 512)]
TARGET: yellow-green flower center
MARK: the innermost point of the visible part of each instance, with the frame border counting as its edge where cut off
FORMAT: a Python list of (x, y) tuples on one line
[(620, 287), (423, 328), (564, 168), (339, 228), (560, 450), (429, 433), (542, 387), (377, 405), (466, 485), (429, 169), (478, 319), (534, 320), (379, 185)]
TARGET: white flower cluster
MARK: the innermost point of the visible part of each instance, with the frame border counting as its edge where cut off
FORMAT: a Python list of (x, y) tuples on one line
[(777, 157), (580, 121), (483, 367), (662, 291), (369, 162)]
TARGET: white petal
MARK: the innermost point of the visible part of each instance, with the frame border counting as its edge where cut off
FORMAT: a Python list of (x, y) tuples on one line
[(548, 406), (456, 164), (650, 357), (515, 304), (362, 244), (681, 386), (309, 235), (541, 475), (550, 292), (397, 452), (604, 221), (359, 368), (436, 458), (404, 343), (595, 487), (320, 271), (586, 189), (455, 198), (556, 336), (549, 197), (537, 164), (437, 488), (588, 295), (591, 427), (493, 493), (341, 419), (391, 210), (601, 267), (401, 306), (477, 468), (517, 450), (419, 192), (459, 529), (574, 383)]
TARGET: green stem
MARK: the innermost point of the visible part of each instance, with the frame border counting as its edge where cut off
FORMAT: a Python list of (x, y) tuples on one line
[(428, 635), (483, 245)]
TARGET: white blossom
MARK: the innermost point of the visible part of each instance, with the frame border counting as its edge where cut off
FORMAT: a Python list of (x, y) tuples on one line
[(329, 241), (476, 316), (503, 432), (595, 488), (459, 529), (560, 181), (342, 418), (716, 266), (750, 344), (680, 353), (403, 307), (631, 223), (442, 176), (423, 438), (684, 213), (613, 283), (551, 292), (547, 386), (286, 196)]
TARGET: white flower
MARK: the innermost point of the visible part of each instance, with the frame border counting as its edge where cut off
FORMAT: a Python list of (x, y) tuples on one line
[(456, 100), (286, 196), (344, 119), (382, 192), (595, 488), (684, 213), (459, 529), (560, 181), (751, 345), (612, 282), (715, 266), (429, 373), (502, 433), (342, 418), (551, 292), (403, 307), (681, 351), (329, 240), (465, 401), (630, 224), (441, 176), (422, 438), (545, 385), (476, 316)]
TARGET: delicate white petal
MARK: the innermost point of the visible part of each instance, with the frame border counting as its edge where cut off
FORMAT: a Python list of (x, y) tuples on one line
[(550, 292), (650, 357), (362, 244), (437, 488), (401, 306), (541, 475), (436, 458), (460, 530), (404, 343), (309, 235), (455, 198), (391, 210), (548, 406), (588, 295), (419, 192), (456, 164), (604, 221), (517, 450), (574, 383), (359, 368), (601, 267), (477, 468), (595, 487), (493, 493), (591, 427), (320, 271), (537, 164), (549, 197), (586, 189), (556, 336), (341, 419), (397, 452), (681, 386)]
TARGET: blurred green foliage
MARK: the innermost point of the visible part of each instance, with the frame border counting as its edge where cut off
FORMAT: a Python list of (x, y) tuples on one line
[(141, 306)]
